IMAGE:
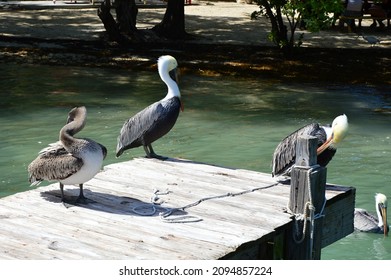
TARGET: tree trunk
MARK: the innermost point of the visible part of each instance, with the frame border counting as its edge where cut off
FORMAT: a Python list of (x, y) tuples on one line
[(279, 30), (109, 22), (125, 25), (173, 24), (126, 11)]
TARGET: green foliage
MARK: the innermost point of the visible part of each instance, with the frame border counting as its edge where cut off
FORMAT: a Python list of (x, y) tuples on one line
[(286, 15), (317, 14)]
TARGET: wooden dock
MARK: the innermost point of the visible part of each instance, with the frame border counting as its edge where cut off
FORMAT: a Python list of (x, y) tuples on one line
[(237, 214)]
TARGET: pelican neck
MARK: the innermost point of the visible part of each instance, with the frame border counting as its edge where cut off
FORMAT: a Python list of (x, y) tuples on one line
[(172, 86)]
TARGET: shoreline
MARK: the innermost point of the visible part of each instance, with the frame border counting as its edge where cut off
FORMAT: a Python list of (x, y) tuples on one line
[(74, 37)]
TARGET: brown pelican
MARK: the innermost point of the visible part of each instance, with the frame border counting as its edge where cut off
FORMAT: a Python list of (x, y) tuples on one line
[(363, 221), (157, 119), (328, 138), (71, 160)]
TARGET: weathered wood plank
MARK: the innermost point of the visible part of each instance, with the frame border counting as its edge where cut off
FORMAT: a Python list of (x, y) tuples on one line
[(339, 214), (307, 199), (35, 224)]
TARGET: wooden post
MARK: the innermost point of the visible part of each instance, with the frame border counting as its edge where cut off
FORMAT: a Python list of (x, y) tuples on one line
[(308, 185)]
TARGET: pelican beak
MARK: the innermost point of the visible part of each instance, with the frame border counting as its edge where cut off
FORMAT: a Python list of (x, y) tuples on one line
[(175, 76), (339, 130), (325, 145), (383, 211)]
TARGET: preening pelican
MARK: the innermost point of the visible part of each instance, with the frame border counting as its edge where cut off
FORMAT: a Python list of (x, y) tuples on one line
[(328, 138), (157, 119), (70, 161), (363, 221)]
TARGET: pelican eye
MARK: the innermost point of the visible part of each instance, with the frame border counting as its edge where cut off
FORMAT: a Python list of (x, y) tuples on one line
[(381, 206)]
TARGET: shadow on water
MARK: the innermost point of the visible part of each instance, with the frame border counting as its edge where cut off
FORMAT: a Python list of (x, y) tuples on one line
[(67, 87)]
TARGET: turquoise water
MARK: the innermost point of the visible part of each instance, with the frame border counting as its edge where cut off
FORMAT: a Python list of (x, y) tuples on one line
[(227, 121)]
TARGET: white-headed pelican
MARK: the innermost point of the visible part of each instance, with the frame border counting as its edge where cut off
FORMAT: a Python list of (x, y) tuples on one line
[(70, 161), (364, 221), (328, 138), (158, 118)]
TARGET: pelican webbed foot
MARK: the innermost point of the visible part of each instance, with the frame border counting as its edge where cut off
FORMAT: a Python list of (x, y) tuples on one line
[(151, 153), (81, 199), (78, 201)]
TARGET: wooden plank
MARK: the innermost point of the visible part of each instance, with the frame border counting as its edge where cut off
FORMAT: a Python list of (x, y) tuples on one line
[(37, 226), (339, 214), (307, 198)]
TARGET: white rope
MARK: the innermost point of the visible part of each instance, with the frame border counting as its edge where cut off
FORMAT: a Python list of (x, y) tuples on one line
[(143, 213), (155, 199), (167, 213), (308, 207), (304, 217), (312, 209)]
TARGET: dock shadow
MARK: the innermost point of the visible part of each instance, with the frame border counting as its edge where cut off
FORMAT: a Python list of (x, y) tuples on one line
[(113, 204)]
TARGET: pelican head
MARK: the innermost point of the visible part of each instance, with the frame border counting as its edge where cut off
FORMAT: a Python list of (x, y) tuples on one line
[(339, 127), (168, 64), (381, 210), (76, 112), (77, 115), (167, 67)]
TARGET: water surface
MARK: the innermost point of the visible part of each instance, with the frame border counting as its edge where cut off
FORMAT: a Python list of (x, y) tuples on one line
[(227, 121)]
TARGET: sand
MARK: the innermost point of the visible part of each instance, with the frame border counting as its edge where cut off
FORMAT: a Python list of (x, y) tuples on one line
[(214, 21), (228, 43)]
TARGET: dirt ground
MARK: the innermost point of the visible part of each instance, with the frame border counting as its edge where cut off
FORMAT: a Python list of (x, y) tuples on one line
[(227, 42)]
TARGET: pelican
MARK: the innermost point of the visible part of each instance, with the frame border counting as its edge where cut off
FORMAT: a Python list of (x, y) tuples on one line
[(328, 138), (363, 221), (158, 118), (70, 161)]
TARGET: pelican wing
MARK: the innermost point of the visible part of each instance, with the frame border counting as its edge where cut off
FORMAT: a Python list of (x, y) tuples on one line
[(53, 149), (285, 153), (148, 125), (104, 150), (364, 221), (53, 163)]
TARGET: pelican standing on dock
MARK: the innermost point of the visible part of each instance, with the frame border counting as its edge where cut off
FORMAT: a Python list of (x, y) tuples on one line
[(70, 161), (366, 222), (157, 119), (329, 137)]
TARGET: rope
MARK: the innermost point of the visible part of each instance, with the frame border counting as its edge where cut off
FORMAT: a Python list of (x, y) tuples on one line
[(167, 214), (312, 209), (140, 213), (308, 207)]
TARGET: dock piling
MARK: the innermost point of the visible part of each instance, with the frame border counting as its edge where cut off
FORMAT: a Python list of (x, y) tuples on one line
[(306, 202)]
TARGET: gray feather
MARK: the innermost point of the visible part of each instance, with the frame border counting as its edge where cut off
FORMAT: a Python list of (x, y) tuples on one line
[(53, 163), (285, 153), (148, 125), (364, 221)]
